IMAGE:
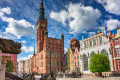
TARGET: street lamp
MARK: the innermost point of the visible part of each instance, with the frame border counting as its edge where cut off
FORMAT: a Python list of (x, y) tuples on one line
[(104, 67)]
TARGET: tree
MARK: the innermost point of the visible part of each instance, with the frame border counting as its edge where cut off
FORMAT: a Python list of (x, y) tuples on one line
[(10, 66), (99, 63)]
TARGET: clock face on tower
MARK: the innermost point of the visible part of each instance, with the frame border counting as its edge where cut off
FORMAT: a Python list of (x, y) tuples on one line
[(43, 25)]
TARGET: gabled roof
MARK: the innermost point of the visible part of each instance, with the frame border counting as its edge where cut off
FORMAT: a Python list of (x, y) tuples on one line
[(74, 40)]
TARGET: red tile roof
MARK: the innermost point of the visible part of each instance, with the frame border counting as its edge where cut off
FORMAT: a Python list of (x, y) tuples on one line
[(98, 33), (74, 40)]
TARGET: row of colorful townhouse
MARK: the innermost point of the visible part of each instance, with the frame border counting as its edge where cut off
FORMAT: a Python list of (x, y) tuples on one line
[(80, 52)]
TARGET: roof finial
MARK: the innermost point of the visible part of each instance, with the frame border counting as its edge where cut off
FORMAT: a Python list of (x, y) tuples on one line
[(98, 30)]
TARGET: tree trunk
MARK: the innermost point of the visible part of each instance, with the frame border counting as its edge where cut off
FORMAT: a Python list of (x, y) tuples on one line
[(100, 74)]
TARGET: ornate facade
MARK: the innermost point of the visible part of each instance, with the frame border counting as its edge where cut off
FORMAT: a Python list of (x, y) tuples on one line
[(99, 43), (73, 56), (50, 51)]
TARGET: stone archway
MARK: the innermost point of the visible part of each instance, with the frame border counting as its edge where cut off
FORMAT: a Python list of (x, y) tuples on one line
[(91, 54), (104, 52), (85, 62)]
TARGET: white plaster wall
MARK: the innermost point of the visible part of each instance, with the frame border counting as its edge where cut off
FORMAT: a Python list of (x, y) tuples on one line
[(105, 46)]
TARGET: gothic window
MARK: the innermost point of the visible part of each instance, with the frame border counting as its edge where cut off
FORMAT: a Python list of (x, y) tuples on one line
[(91, 54), (61, 63), (53, 69), (53, 63), (53, 55), (100, 40), (94, 42), (57, 63), (57, 55), (77, 57), (85, 62), (117, 52), (118, 65), (48, 63), (61, 55), (85, 45), (90, 43), (48, 54), (116, 42), (104, 52)]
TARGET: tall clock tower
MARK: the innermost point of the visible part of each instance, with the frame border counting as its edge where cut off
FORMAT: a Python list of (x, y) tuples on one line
[(41, 28)]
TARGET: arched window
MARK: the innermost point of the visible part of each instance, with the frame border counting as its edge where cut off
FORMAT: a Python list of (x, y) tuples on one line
[(85, 62), (91, 54), (104, 52)]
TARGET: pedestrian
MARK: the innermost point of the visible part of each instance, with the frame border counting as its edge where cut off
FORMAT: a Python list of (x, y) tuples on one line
[(80, 74)]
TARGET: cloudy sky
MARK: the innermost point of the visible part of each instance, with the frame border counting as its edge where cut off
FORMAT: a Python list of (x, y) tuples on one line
[(74, 18)]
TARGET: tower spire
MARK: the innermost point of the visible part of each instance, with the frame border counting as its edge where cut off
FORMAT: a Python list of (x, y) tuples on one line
[(34, 49), (42, 13), (98, 30)]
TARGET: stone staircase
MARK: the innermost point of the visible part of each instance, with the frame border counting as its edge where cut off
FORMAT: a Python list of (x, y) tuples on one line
[(88, 75)]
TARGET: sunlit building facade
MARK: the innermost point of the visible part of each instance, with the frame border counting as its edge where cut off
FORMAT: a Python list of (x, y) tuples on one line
[(99, 43), (115, 50)]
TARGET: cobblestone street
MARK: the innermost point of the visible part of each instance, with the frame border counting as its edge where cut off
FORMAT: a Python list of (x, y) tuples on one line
[(108, 78)]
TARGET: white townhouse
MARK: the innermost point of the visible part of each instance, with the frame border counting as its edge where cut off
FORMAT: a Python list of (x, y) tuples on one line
[(98, 43)]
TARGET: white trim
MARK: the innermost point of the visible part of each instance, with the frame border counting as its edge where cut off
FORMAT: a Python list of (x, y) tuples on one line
[(116, 58)]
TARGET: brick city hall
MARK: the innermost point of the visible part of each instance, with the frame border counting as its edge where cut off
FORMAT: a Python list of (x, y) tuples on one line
[(50, 51)]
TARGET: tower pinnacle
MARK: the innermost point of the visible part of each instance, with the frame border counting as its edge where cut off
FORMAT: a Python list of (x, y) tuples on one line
[(42, 13)]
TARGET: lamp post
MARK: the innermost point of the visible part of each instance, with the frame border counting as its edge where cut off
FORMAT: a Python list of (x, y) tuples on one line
[(104, 67)]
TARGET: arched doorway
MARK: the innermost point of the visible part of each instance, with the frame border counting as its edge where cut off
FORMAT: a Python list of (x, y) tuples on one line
[(91, 54), (104, 52), (85, 62)]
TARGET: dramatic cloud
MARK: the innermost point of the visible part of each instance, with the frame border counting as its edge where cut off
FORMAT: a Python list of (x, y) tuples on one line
[(112, 24), (27, 49), (7, 35), (5, 10), (25, 58), (112, 6), (89, 33), (16, 27), (79, 17), (61, 17)]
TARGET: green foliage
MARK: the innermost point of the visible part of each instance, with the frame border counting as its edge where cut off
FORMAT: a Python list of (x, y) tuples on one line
[(99, 63), (10, 66)]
